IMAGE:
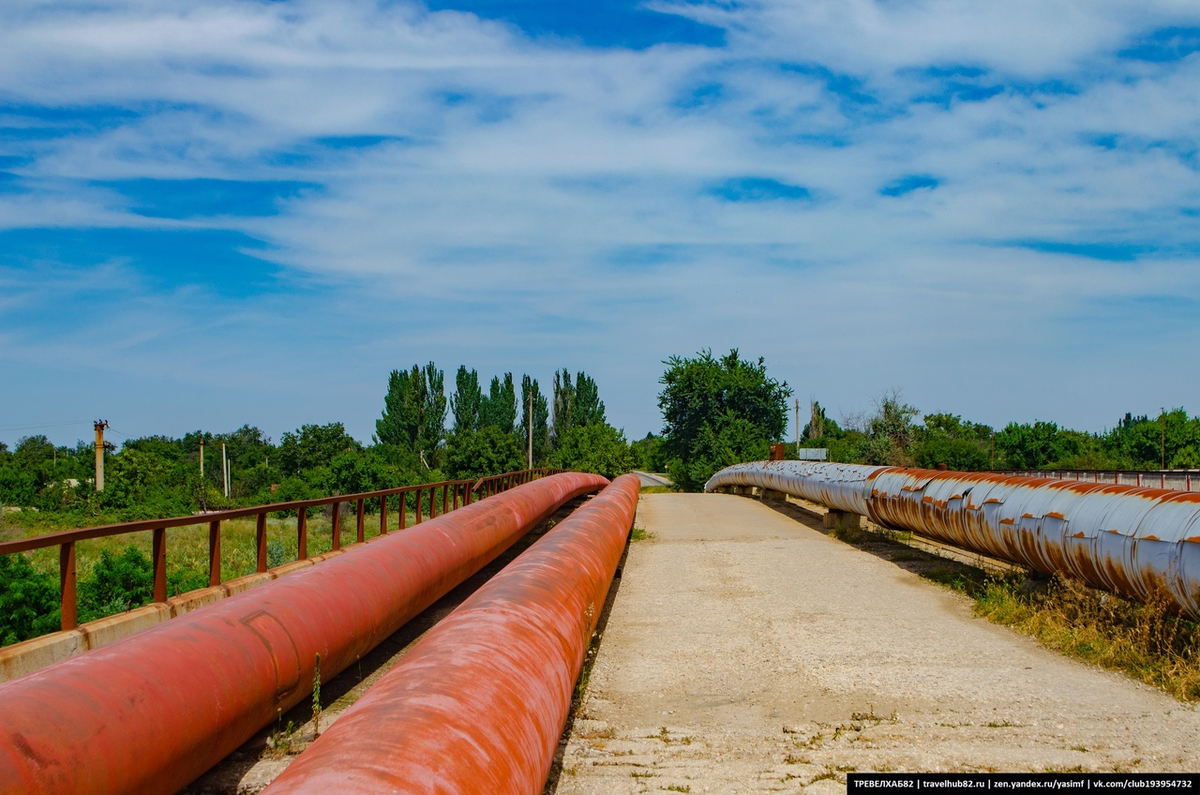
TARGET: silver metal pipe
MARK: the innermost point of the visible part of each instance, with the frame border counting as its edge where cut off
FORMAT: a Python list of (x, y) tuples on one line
[(1130, 540)]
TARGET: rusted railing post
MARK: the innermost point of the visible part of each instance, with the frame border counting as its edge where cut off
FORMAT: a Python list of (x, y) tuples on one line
[(336, 525), (417, 494), (302, 534), (66, 583), (446, 499), (260, 540), (403, 508), (383, 514), (360, 516), (214, 553), (159, 556)]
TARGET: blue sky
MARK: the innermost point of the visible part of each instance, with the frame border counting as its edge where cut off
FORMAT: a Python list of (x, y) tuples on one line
[(217, 213)]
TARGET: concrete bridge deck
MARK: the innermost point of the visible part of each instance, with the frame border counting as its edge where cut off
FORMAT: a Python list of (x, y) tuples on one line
[(746, 651)]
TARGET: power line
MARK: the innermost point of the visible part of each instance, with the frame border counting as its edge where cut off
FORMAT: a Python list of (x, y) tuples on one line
[(47, 425)]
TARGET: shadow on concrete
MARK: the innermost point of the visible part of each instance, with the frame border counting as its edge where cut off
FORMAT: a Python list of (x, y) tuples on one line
[(890, 546)]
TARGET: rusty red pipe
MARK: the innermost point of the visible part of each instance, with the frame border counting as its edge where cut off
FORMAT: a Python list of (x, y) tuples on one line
[(152, 712), (478, 705)]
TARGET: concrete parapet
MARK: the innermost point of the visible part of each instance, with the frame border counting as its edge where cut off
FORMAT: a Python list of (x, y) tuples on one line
[(34, 654)]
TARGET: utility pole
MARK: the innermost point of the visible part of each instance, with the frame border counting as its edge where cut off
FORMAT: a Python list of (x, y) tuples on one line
[(100, 425), (1164, 436), (797, 427), (225, 470), (993, 451), (202, 456), (529, 424)]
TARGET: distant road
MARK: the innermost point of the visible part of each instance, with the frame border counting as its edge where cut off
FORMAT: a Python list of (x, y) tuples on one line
[(650, 479)]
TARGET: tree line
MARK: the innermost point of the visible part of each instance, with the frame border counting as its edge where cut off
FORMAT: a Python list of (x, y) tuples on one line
[(723, 410), (161, 475)]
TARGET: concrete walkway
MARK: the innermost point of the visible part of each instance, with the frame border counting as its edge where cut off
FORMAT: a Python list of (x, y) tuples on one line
[(747, 652)]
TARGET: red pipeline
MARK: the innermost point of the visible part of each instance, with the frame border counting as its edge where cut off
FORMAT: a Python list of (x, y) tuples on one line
[(151, 713), (478, 704)]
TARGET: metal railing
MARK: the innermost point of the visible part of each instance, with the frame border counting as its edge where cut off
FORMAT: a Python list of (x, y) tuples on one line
[(1177, 479), (454, 494)]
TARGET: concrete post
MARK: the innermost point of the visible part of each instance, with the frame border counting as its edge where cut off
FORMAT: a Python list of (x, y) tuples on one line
[(843, 520)]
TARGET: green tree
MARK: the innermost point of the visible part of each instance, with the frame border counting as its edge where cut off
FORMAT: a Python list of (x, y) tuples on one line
[(647, 454), (401, 421), (598, 448), (563, 402), (587, 407), (313, 446), (950, 440), (467, 400), (718, 412), (1025, 446), (890, 432), (531, 393), (499, 408), (142, 480), (414, 412), (433, 415), (488, 451)]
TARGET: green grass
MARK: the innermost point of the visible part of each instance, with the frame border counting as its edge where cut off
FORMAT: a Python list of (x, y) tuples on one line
[(657, 490), (187, 547), (641, 534)]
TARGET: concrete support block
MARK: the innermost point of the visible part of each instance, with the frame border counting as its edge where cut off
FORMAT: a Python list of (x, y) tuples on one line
[(843, 520), (772, 495)]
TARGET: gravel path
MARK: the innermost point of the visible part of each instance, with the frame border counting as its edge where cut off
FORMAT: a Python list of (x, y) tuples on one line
[(747, 652)]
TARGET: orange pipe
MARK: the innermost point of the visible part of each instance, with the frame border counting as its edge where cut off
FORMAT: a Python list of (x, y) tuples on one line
[(478, 704), (152, 712)]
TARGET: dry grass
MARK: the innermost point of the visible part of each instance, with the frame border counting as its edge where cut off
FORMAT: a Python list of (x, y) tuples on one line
[(1144, 641)]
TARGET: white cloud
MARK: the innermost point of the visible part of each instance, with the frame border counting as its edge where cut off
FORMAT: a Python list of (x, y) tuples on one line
[(545, 204)]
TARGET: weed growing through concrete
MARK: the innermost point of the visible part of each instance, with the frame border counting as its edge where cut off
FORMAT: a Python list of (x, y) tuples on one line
[(641, 534), (316, 698)]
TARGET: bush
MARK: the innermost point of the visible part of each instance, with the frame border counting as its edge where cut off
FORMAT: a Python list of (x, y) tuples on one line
[(117, 583), (477, 454), (600, 449), (29, 603)]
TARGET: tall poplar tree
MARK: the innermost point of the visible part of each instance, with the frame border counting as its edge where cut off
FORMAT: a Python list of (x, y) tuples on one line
[(531, 393), (500, 406), (467, 400)]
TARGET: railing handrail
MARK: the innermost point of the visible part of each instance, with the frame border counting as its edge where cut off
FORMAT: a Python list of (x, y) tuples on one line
[(1181, 471), (65, 540), (120, 528), (502, 475)]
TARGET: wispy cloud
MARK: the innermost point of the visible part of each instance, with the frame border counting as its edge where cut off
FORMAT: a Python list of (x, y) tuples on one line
[(949, 197)]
